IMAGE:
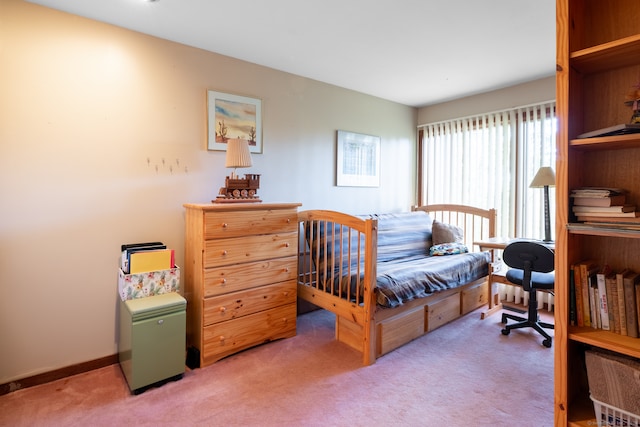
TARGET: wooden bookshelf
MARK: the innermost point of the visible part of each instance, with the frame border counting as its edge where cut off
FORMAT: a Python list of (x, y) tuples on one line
[(598, 63)]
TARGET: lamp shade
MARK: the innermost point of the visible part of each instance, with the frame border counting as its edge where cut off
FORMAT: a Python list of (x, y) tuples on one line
[(238, 155), (544, 177)]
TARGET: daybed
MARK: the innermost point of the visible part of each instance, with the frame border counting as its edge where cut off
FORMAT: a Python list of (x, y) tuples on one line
[(376, 273)]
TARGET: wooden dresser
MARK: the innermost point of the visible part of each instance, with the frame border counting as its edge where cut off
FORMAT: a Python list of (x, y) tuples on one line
[(240, 277)]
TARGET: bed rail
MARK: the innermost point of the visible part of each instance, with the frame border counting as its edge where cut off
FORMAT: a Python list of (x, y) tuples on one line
[(332, 245)]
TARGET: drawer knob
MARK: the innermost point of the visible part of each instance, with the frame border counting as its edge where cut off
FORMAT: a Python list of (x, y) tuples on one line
[(223, 309), (288, 220), (286, 245), (221, 338), (225, 225), (286, 269), (223, 281), (286, 293), (224, 253)]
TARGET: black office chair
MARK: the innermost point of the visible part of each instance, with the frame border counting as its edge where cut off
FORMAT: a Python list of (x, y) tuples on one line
[(531, 266)]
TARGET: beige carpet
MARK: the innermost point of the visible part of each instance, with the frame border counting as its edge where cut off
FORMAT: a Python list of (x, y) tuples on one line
[(463, 374)]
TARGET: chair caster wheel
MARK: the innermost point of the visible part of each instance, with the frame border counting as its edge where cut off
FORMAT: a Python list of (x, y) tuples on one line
[(505, 331), (547, 343)]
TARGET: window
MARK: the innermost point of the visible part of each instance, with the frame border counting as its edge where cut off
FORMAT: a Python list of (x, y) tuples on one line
[(489, 161)]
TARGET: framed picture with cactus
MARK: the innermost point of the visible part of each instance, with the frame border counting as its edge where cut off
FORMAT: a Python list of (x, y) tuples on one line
[(233, 116)]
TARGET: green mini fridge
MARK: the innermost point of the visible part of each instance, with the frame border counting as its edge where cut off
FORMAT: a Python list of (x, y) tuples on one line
[(152, 338)]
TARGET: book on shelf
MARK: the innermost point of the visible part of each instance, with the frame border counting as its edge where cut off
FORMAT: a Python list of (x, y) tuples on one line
[(602, 295), (614, 225), (603, 209), (621, 129), (615, 200), (593, 192), (627, 217), (578, 294), (632, 214), (621, 302), (587, 269), (631, 220), (572, 299), (593, 302), (637, 289), (612, 302), (630, 280)]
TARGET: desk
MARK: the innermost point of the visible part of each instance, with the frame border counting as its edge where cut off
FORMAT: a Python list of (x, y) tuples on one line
[(497, 270)]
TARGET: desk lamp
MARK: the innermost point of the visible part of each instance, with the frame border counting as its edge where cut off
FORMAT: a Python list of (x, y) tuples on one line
[(545, 178)]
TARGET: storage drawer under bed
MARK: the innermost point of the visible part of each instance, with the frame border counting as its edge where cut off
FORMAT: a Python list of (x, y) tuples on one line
[(394, 332)]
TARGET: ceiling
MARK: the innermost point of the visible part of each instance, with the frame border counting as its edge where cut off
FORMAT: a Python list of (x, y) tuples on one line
[(414, 52)]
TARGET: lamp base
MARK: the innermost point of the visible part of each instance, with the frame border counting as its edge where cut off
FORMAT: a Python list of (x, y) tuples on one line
[(239, 190), (547, 217)]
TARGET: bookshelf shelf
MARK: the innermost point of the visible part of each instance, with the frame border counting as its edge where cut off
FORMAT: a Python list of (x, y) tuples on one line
[(606, 339), (582, 414), (627, 231), (607, 56), (618, 142)]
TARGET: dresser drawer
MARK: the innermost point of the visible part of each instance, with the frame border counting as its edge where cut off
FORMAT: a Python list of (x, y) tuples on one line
[(221, 252), (233, 224), (231, 278), (226, 338), (238, 304)]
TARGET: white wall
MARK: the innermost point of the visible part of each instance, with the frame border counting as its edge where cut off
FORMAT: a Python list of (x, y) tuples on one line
[(103, 138), (515, 96)]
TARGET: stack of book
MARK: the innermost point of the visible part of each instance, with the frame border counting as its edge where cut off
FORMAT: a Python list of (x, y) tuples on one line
[(604, 299), (146, 257), (603, 205)]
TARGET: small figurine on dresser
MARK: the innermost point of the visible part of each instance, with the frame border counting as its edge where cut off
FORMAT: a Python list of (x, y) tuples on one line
[(240, 189)]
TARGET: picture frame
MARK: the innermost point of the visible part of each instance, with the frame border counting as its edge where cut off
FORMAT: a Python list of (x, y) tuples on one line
[(357, 160), (233, 116)]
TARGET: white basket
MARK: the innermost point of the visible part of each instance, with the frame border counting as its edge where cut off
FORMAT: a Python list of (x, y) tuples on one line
[(607, 415)]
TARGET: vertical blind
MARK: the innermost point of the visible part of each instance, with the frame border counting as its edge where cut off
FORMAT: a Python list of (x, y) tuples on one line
[(488, 161)]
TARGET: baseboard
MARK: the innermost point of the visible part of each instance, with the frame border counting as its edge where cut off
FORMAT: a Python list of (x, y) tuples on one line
[(58, 374)]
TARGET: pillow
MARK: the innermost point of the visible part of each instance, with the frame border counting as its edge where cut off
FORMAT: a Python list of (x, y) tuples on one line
[(446, 233), (448, 249)]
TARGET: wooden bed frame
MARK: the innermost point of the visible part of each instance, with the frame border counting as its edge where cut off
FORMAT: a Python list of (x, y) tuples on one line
[(367, 327)]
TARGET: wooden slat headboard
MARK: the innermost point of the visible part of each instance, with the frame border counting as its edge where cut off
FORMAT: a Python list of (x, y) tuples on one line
[(477, 223)]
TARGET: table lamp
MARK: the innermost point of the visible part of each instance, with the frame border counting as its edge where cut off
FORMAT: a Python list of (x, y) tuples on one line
[(238, 156), (545, 178), (238, 189)]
